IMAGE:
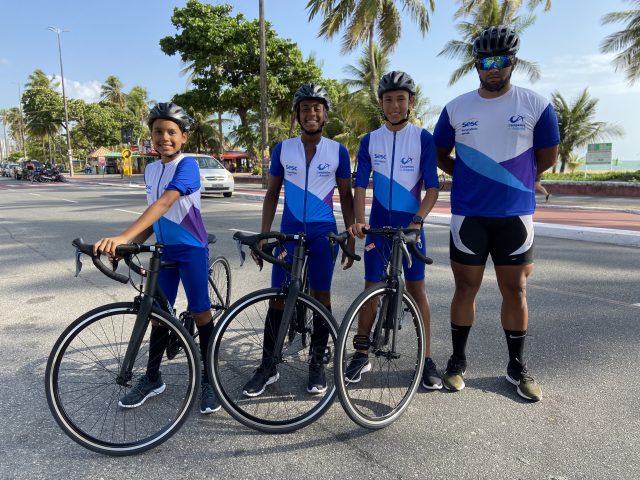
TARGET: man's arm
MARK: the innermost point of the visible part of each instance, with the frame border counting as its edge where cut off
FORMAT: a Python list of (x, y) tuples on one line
[(445, 160), (546, 158), (346, 205), (270, 203), (428, 201)]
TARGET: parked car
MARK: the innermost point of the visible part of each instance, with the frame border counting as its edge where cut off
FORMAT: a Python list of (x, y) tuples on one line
[(9, 170), (21, 169), (214, 178)]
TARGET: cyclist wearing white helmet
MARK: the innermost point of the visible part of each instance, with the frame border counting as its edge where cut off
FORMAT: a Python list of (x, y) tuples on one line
[(504, 136)]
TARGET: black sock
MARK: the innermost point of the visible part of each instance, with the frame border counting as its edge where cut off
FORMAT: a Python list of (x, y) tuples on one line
[(157, 344), (319, 339), (459, 335), (271, 327), (515, 344), (204, 333)]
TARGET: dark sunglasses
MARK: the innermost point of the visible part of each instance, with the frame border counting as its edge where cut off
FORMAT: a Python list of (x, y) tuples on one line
[(499, 62)]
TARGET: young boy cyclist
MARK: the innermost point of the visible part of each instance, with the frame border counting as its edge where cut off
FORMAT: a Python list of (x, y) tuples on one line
[(173, 196), (402, 157), (309, 166)]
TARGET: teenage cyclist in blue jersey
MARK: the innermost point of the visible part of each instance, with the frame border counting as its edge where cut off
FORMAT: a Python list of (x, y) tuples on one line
[(402, 157), (173, 195), (503, 137), (309, 166)]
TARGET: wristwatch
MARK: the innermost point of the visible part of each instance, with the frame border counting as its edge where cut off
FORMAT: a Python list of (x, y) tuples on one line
[(417, 219)]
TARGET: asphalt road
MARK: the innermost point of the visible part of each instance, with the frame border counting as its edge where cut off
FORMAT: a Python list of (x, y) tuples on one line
[(583, 350)]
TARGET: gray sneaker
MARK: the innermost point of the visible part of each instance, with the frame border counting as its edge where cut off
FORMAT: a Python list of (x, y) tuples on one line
[(518, 375), (430, 377), (208, 401), (142, 390), (453, 378)]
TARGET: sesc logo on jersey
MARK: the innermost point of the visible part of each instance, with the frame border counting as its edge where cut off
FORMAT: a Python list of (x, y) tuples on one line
[(379, 159), (469, 126)]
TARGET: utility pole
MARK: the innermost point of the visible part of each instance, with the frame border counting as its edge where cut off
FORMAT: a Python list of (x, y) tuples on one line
[(264, 154), (58, 31)]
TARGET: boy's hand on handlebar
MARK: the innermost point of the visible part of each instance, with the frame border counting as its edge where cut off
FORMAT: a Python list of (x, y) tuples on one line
[(108, 245), (355, 230), (347, 261), (257, 259)]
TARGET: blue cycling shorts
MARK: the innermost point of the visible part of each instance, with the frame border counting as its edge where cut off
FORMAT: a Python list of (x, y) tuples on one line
[(320, 258), (192, 269), (377, 252)]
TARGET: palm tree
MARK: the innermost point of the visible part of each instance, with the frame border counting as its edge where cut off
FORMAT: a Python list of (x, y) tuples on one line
[(111, 91), (363, 20), (362, 74), (577, 124), (485, 13), (627, 40)]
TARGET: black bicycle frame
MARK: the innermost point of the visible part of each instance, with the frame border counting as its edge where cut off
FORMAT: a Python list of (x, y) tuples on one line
[(292, 289)]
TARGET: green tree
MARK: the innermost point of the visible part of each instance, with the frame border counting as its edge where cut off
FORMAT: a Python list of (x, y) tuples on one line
[(483, 14), (111, 91), (13, 119), (577, 124), (626, 41), (222, 52), (363, 20), (99, 123)]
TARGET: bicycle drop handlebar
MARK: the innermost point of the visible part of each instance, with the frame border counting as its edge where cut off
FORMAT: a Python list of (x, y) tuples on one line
[(281, 238), (409, 237), (123, 250)]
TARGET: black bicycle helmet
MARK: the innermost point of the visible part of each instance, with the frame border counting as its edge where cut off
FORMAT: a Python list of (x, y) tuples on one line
[(396, 81), (170, 111), (311, 91), (499, 40)]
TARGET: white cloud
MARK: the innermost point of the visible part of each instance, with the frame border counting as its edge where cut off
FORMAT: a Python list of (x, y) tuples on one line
[(87, 91), (5, 61)]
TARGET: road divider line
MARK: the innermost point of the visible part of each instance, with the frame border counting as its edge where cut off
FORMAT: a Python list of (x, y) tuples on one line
[(127, 211), (70, 201), (243, 231), (34, 194)]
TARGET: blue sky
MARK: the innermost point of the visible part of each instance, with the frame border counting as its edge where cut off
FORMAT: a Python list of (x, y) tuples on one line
[(121, 38)]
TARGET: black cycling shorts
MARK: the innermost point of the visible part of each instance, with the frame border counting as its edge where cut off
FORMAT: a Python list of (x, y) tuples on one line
[(509, 240)]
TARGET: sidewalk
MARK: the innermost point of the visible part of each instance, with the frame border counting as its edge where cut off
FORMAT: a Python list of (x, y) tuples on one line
[(591, 218)]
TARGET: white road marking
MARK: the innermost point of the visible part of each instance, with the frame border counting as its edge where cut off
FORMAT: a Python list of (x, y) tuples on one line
[(635, 304), (128, 211), (243, 231), (34, 194), (70, 201)]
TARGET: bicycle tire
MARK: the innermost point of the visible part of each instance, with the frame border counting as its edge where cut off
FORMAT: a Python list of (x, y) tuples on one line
[(235, 351), (83, 395), (219, 283), (390, 380)]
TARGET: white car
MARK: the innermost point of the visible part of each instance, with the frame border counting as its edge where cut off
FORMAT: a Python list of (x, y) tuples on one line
[(214, 178)]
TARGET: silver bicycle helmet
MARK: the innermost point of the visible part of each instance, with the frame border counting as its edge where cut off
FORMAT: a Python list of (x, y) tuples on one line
[(498, 40), (169, 111), (396, 81)]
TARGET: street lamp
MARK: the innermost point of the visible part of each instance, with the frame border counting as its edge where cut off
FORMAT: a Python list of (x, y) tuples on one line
[(58, 31), (24, 152)]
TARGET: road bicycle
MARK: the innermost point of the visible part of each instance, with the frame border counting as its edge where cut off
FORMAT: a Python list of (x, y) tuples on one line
[(101, 355), (246, 336), (395, 345)]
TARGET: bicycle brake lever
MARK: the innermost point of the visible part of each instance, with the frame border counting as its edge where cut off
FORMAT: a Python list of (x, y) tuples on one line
[(243, 255), (407, 255), (78, 262)]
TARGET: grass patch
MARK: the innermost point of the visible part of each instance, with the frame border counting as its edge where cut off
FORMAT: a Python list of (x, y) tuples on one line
[(595, 177)]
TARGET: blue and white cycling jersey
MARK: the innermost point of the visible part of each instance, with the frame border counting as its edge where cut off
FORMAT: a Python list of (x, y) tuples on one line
[(402, 162), (309, 188), (495, 141), (182, 224)]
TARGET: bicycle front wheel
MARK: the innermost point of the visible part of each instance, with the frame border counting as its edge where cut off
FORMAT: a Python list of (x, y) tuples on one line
[(384, 392), (236, 351), (219, 284), (83, 393)]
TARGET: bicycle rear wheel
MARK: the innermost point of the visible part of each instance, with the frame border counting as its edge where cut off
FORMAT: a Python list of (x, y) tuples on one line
[(235, 351), (83, 395), (219, 284), (384, 392)]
